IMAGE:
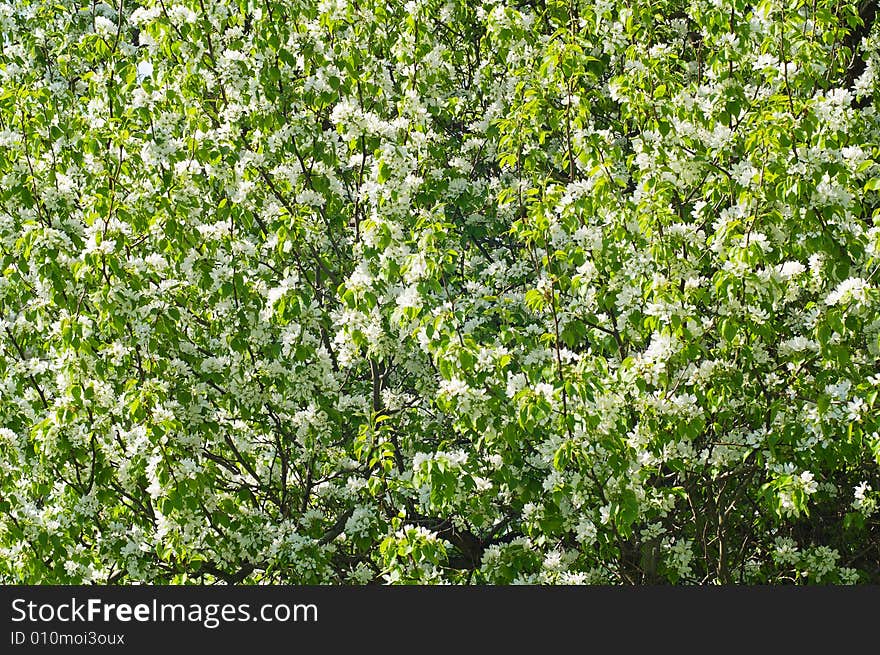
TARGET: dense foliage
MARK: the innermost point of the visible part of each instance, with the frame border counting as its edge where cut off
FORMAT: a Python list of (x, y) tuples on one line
[(444, 291)]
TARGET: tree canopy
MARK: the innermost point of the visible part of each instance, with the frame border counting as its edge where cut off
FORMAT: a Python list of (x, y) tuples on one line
[(489, 292)]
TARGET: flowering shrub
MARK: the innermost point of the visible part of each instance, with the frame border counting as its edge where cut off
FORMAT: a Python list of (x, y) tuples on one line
[(439, 292)]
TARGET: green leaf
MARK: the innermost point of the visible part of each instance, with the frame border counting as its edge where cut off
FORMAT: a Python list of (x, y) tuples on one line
[(728, 330), (535, 300)]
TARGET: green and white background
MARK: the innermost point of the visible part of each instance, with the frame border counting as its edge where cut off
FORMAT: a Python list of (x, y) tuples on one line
[(439, 292)]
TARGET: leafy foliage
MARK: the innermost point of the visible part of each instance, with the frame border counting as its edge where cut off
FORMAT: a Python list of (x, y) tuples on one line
[(498, 292)]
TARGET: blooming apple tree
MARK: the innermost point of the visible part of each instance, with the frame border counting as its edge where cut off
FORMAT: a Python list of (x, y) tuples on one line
[(494, 292)]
